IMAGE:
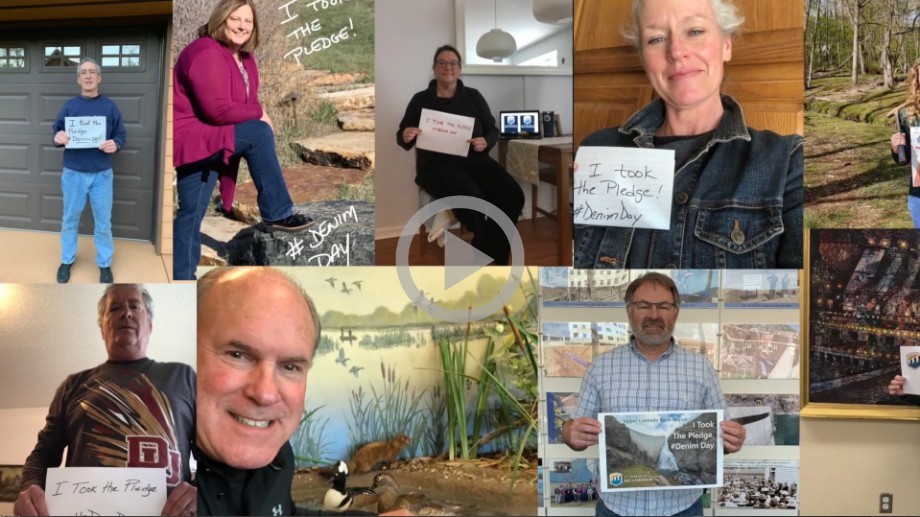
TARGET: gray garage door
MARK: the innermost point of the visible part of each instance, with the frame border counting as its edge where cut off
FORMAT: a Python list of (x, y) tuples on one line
[(37, 76)]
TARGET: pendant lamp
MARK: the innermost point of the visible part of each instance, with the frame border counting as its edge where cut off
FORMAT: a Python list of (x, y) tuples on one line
[(556, 12), (496, 44)]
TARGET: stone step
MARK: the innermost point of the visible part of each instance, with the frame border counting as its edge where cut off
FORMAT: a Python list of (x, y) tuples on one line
[(356, 120), (351, 99), (343, 234), (321, 78), (352, 150)]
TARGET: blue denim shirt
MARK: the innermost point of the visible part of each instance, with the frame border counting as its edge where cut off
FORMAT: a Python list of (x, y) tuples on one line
[(737, 202)]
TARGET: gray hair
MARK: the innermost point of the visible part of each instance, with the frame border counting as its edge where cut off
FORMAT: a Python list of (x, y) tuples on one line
[(90, 60), (727, 17), (148, 300), (206, 282)]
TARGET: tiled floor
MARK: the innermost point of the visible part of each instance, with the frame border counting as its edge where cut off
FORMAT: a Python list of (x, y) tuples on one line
[(33, 257)]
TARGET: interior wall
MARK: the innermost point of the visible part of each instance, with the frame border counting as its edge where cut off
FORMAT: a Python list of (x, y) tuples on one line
[(403, 69), (561, 42), (19, 428), (847, 464)]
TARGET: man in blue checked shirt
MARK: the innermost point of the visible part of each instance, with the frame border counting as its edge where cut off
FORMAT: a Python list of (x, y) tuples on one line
[(651, 373)]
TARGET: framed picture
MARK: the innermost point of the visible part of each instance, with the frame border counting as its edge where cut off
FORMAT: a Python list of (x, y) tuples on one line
[(863, 303), (10, 477)]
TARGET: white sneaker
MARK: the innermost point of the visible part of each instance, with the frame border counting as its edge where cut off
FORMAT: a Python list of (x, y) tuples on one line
[(442, 222)]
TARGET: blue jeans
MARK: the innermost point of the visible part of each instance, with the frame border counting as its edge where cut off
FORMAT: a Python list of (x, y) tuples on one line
[(913, 206), (76, 186), (695, 509), (255, 142)]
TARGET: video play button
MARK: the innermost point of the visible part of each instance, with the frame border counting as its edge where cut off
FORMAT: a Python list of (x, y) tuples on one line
[(461, 259)]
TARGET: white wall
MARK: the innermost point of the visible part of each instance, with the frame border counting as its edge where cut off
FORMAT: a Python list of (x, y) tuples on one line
[(561, 42), (846, 464), (403, 67)]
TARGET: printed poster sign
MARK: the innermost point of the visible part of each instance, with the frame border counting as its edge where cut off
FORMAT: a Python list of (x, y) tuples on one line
[(84, 132), (444, 132), (660, 450), (105, 491), (915, 144), (624, 187), (910, 369)]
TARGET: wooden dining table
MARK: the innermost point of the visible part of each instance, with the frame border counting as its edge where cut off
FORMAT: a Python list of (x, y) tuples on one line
[(522, 158)]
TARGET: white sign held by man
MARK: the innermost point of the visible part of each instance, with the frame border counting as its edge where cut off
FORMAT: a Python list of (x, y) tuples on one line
[(84, 132), (624, 187), (910, 369), (105, 491), (445, 132)]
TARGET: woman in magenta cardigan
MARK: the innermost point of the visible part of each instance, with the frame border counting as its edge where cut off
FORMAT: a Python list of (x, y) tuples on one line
[(217, 121)]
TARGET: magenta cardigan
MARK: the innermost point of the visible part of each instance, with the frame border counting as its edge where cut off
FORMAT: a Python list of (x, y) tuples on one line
[(209, 98)]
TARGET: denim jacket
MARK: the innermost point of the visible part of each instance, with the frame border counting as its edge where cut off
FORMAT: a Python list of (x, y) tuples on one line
[(737, 202)]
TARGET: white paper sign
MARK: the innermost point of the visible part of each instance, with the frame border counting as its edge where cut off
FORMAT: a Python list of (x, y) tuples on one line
[(915, 150), (84, 132), (105, 491), (910, 369), (660, 450), (445, 132), (624, 187)]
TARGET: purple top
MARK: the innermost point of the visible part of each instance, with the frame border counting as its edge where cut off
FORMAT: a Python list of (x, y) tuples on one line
[(209, 98)]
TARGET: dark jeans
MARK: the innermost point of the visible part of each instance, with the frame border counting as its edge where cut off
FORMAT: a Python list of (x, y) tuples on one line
[(695, 509), (484, 179), (255, 142)]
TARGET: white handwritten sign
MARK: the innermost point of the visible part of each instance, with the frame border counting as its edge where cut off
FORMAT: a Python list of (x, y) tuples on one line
[(105, 491), (310, 36), (910, 369), (84, 132), (915, 150), (624, 187), (444, 132)]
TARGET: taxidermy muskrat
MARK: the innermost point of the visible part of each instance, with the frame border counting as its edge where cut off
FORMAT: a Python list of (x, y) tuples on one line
[(374, 454)]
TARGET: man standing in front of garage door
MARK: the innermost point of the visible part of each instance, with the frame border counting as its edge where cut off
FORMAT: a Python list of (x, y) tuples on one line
[(90, 127)]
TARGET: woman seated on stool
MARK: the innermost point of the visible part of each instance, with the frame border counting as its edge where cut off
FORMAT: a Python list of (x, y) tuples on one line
[(474, 175)]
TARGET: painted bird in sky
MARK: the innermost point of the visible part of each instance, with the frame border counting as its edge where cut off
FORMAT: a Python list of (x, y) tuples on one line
[(342, 359), (354, 370), (357, 283), (331, 281), (345, 288)]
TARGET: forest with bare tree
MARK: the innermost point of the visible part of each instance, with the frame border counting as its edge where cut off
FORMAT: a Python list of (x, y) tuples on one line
[(858, 54)]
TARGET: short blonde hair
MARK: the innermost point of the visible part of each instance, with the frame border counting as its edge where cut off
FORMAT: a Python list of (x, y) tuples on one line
[(726, 16), (218, 21)]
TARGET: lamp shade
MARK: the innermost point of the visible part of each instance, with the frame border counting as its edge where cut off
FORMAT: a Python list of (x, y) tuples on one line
[(496, 45), (556, 12)]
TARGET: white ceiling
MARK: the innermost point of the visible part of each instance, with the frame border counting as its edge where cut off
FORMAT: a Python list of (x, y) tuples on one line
[(514, 17), (49, 331)]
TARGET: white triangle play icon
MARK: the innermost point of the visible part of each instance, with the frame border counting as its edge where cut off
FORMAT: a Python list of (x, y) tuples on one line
[(461, 260)]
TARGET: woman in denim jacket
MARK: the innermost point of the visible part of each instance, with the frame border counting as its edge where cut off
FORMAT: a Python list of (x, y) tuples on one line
[(737, 191), (909, 117)]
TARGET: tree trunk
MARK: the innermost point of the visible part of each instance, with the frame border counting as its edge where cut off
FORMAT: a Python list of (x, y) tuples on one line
[(811, 50), (853, 11)]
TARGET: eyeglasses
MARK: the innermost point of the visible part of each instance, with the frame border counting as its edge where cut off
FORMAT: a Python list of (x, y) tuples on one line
[(643, 306), (448, 64)]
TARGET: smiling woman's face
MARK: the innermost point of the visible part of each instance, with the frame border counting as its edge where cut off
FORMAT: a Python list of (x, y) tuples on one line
[(238, 26), (683, 51), (447, 67)]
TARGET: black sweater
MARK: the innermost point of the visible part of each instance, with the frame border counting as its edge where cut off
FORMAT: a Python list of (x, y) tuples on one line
[(467, 102)]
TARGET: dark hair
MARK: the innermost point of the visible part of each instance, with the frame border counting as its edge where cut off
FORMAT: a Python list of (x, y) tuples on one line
[(206, 282), (442, 48), (655, 279), (218, 21)]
